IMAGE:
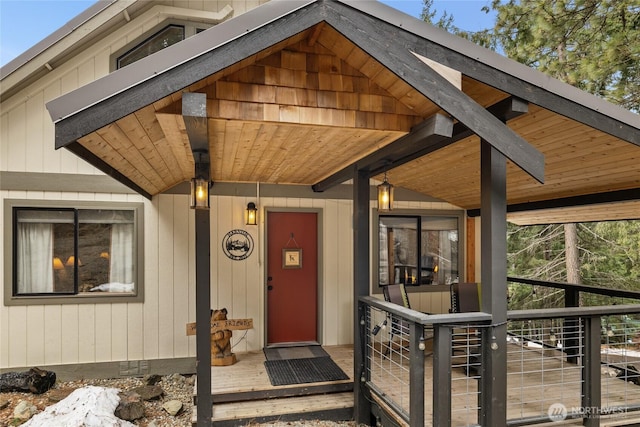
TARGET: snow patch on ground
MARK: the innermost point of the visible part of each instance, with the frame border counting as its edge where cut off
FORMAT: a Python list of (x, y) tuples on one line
[(89, 406)]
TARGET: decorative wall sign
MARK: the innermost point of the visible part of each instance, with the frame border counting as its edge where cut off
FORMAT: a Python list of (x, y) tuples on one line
[(237, 245), (292, 258)]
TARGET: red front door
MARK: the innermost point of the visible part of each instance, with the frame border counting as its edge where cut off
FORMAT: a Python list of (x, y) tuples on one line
[(292, 277)]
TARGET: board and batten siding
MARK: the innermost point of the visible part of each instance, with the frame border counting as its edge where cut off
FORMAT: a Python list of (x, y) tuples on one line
[(156, 329)]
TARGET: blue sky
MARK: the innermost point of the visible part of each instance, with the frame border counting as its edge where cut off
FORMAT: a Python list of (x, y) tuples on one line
[(23, 23)]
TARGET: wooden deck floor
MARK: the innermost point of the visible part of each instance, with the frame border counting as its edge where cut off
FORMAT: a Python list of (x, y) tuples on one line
[(536, 379), (243, 392)]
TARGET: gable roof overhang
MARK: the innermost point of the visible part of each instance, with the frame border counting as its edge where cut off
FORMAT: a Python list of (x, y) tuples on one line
[(303, 92)]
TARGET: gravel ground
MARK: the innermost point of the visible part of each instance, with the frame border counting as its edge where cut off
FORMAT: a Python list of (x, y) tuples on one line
[(175, 387)]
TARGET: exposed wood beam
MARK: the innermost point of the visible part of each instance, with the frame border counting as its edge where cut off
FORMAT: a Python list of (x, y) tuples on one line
[(504, 110), (397, 56), (416, 144), (584, 200), (194, 112), (435, 131)]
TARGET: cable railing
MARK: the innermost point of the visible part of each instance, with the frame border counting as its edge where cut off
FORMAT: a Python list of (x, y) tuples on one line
[(562, 364)]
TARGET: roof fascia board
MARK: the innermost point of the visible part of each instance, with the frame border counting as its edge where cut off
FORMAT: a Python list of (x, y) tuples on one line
[(57, 42), (379, 40), (516, 78), (176, 67)]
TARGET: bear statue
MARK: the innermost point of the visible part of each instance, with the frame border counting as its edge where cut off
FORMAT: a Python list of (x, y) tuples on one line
[(221, 342)]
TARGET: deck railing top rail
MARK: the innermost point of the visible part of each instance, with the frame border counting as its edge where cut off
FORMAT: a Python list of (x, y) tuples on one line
[(542, 313), (619, 293), (556, 313), (423, 318)]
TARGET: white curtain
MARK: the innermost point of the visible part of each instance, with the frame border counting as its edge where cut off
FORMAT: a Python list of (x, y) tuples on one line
[(35, 258), (121, 270)]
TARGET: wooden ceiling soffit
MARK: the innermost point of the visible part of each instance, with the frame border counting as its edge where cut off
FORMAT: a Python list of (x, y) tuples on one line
[(406, 65), (422, 140), (79, 150)]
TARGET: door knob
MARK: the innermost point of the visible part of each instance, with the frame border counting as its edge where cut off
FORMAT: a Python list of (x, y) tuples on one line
[(269, 288)]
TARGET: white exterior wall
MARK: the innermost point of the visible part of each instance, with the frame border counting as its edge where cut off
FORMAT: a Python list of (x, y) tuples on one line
[(40, 335)]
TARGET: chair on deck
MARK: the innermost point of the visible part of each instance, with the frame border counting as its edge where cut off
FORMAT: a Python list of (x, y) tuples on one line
[(465, 298), (397, 294)]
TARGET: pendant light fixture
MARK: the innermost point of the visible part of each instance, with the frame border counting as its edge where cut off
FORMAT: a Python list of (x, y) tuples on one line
[(385, 195)]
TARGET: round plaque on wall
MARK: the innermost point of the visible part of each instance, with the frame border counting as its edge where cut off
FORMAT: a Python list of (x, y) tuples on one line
[(237, 245)]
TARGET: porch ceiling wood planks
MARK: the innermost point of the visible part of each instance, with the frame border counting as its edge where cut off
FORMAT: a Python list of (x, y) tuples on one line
[(579, 161)]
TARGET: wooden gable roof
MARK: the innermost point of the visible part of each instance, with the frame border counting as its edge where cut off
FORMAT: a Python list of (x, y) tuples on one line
[(301, 92)]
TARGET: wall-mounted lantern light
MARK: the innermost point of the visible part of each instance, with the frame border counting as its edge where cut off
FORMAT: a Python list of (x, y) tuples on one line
[(251, 214), (385, 195)]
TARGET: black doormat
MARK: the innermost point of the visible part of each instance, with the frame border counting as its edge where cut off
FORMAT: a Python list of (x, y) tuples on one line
[(300, 352), (303, 371)]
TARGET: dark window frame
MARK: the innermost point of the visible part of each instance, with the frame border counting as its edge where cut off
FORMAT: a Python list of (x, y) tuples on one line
[(148, 39), (190, 29), (416, 213), (12, 298)]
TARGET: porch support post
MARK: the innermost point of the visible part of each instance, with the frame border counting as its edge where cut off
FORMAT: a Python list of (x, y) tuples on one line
[(361, 279), (416, 383), (493, 248), (442, 375), (194, 111), (592, 385)]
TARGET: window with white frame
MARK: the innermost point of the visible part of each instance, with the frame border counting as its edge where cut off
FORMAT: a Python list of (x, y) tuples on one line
[(90, 252), (419, 249)]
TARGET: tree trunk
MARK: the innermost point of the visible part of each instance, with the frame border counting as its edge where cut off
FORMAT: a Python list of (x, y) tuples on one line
[(571, 253)]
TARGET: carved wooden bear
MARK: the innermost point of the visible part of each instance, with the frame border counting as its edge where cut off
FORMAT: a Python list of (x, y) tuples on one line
[(221, 342)]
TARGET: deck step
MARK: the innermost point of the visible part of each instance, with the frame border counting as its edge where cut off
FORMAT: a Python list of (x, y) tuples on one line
[(277, 392), (330, 407)]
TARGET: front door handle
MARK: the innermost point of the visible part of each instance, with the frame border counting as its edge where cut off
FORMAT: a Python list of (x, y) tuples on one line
[(269, 288)]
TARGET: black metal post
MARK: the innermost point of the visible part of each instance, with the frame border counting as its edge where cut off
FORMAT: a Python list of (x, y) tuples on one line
[(441, 376), (493, 385), (361, 279), (591, 399), (571, 342), (416, 381), (203, 318), (194, 111)]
